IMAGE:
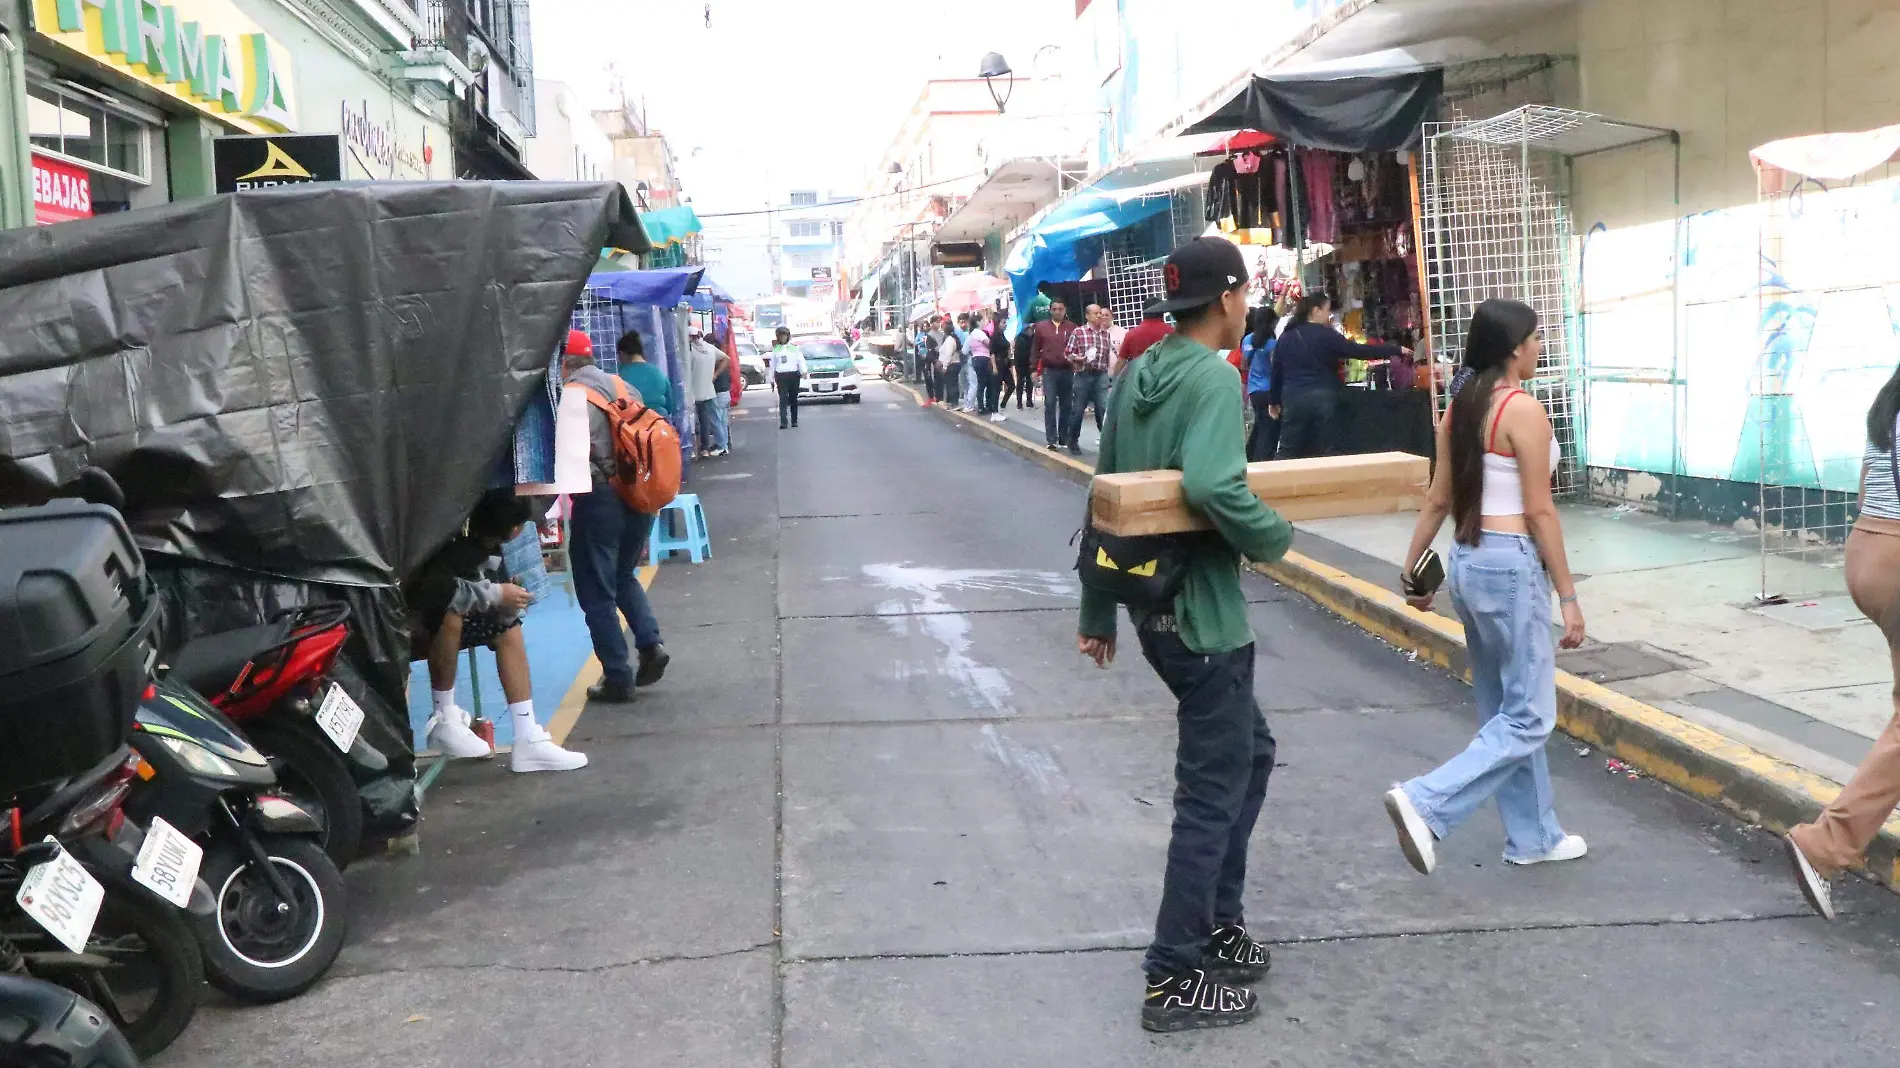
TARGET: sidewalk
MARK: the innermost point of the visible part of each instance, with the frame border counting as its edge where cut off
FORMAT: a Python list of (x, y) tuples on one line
[(1762, 710)]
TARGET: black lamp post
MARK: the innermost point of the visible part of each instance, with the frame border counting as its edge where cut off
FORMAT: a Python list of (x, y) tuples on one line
[(994, 66)]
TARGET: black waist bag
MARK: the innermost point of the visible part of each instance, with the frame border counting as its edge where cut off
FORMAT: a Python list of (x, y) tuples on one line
[(1141, 570)]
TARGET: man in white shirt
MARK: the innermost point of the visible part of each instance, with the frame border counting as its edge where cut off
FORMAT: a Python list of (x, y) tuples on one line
[(788, 366), (701, 360)]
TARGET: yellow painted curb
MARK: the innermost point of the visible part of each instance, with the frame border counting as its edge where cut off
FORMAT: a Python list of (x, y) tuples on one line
[(1745, 781), (575, 701)]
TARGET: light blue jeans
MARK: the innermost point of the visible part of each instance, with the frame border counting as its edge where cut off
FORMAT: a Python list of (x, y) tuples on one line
[(1502, 594), (966, 387), (722, 421)]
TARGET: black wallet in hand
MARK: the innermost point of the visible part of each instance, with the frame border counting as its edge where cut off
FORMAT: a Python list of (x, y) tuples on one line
[(1426, 575)]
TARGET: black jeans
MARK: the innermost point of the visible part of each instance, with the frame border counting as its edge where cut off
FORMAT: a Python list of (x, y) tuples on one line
[(927, 374), (953, 384), (1058, 395), (1221, 765), (1005, 385), (1306, 422), (1264, 442), (1025, 382), (788, 397)]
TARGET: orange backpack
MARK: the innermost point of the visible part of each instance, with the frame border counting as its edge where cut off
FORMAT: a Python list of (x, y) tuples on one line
[(646, 451)]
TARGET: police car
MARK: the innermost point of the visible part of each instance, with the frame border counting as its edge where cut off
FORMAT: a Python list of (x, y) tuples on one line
[(830, 372)]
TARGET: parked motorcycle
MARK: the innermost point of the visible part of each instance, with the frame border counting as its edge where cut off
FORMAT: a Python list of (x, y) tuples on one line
[(891, 366), (46, 1026), (80, 892), (272, 680), (279, 909), (84, 913)]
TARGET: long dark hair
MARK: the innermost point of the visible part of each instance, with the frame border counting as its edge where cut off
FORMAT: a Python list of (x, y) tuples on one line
[(1497, 328), (1264, 320), (1880, 417)]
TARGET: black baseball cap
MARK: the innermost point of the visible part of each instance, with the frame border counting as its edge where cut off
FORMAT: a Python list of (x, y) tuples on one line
[(1198, 273)]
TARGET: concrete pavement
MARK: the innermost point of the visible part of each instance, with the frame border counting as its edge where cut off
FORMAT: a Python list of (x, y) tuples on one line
[(879, 813)]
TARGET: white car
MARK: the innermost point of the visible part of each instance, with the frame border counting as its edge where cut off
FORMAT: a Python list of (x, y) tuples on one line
[(830, 373), (752, 371)]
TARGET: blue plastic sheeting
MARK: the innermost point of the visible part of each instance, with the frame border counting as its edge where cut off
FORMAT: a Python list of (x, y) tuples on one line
[(1048, 253), (663, 288), (708, 294)]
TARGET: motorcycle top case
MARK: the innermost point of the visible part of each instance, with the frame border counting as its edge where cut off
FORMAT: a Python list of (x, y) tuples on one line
[(76, 620)]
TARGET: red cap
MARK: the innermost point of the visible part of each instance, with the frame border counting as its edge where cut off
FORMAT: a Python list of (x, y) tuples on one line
[(578, 344)]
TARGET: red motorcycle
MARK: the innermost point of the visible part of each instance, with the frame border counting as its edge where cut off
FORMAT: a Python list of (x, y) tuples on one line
[(273, 681)]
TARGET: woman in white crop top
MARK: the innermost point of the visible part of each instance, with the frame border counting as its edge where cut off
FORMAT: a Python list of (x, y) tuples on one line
[(1496, 453)]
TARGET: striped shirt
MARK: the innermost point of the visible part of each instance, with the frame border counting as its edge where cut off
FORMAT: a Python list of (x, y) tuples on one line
[(1881, 499)]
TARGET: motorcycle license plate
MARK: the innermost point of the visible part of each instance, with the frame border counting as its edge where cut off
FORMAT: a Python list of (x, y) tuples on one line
[(63, 897), (168, 863), (340, 717)]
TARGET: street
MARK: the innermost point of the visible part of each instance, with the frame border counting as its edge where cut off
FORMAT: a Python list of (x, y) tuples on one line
[(880, 813)]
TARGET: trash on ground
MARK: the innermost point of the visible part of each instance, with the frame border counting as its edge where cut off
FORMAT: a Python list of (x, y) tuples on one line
[(1617, 767), (1584, 751)]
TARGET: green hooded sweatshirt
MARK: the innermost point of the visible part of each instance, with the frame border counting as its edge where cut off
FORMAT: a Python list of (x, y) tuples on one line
[(1179, 408)]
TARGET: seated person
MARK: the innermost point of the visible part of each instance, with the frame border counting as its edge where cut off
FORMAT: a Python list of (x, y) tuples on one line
[(458, 606)]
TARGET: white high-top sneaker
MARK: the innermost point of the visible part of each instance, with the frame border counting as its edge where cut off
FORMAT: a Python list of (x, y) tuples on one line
[(535, 750), (450, 734)]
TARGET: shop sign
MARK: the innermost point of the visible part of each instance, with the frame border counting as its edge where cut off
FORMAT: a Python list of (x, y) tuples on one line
[(378, 148), (821, 274), (240, 164), (62, 192), (204, 53)]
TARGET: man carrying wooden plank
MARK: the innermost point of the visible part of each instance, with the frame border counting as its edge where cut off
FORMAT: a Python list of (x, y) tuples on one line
[(1179, 407)]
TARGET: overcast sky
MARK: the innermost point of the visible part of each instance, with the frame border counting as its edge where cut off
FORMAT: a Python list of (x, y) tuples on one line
[(778, 94)]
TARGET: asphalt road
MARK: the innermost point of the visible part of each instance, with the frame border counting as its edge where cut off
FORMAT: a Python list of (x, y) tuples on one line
[(880, 814)]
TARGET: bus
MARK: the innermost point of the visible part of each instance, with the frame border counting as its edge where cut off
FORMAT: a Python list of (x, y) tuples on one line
[(805, 318)]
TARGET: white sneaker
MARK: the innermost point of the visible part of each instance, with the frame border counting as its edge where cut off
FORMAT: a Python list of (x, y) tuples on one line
[(1820, 896), (1570, 848), (449, 734), (541, 754), (1415, 838)]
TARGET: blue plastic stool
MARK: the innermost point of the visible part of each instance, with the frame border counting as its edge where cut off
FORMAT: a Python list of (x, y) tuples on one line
[(695, 541)]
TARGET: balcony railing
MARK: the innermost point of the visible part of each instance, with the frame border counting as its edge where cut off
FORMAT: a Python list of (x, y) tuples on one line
[(503, 30)]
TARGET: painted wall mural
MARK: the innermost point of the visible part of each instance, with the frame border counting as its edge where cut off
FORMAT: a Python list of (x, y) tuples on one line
[(1790, 321)]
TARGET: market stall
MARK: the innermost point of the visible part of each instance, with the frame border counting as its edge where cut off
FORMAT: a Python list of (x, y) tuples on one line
[(1322, 172)]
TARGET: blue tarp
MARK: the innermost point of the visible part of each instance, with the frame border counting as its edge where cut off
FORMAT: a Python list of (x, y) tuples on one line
[(663, 288), (1048, 253), (708, 294)]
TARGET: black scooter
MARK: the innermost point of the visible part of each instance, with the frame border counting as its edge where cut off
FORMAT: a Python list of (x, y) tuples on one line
[(279, 914)]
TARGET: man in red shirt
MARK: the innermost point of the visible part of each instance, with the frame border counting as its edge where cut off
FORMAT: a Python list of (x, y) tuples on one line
[(1050, 340), (1142, 338)]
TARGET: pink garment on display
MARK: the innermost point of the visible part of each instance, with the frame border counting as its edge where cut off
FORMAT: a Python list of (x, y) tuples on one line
[(1247, 163), (1318, 168)]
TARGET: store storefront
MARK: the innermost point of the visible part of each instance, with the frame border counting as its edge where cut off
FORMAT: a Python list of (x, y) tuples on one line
[(123, 100)]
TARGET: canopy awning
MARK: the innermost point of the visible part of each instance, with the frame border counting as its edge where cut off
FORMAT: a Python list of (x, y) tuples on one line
[(671, 226), (1830, 157), (1363, 114), (664, 287), (1014, 191)]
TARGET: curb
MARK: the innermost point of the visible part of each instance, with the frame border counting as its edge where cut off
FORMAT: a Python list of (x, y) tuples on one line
[(1766, 791)]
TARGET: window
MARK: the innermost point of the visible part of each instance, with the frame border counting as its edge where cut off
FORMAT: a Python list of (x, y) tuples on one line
[(804, 197), (804, 228), (83, 129), (837, 229)]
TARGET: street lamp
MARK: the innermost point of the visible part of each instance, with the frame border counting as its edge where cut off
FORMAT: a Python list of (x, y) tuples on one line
[(994, 66)]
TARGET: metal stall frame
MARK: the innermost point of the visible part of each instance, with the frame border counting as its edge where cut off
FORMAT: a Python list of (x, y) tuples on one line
[(1496, 222)]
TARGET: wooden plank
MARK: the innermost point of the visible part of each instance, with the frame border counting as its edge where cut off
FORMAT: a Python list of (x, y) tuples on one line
[(1150, 502)]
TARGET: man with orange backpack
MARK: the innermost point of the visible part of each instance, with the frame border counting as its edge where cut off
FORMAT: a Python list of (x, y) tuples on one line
[(634, 456)]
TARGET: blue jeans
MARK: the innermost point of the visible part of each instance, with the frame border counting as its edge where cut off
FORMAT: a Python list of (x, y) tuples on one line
[(1091, 388), (967, 383), (1502, 594), (1058, 395), (722, 421), (1222, 760), (607, 539)]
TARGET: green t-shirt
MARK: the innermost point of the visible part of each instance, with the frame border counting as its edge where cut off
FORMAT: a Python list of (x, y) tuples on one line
[(656, 392), (1179, 407)]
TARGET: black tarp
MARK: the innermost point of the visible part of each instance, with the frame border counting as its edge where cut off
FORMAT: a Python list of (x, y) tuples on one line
[(1369, 114), (301, 391)]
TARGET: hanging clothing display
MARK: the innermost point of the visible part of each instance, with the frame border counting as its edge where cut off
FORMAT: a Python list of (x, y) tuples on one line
[(1221, 194)]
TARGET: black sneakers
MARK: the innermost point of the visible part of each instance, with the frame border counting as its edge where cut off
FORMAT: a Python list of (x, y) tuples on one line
[(1232, 957), (653, 661), (1190, 1001)]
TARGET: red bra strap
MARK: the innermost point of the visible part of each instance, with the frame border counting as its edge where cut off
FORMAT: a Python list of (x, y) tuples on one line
[(1490, 444)]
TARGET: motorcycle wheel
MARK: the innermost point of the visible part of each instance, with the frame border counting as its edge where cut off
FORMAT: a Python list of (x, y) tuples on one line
[(153, 984), (254, 951), (313, 774)]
